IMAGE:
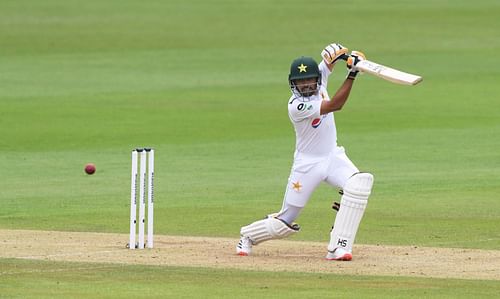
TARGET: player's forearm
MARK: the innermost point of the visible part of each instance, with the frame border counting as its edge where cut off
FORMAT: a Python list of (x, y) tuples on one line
[(342, 94), (339, 99)]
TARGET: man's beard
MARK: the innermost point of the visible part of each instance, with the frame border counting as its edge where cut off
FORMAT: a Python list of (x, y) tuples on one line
[(308, 91)]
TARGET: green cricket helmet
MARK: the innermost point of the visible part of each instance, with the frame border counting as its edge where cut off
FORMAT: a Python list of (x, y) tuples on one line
[(304, 68)]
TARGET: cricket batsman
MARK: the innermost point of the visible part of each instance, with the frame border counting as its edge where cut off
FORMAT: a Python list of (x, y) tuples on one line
[(317, 157)]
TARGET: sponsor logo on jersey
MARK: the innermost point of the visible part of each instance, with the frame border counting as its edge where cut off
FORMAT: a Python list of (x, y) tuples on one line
[(316, 122), (303, 106)]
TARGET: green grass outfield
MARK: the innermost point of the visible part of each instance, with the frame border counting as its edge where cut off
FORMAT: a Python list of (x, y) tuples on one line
[(205, 84), (78, 280)]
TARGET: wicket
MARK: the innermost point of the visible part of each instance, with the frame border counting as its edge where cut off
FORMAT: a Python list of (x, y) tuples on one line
[(139, 157)]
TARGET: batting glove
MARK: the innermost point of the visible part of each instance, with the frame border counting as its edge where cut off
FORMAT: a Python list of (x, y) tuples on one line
[(352, 61), (333, 52)]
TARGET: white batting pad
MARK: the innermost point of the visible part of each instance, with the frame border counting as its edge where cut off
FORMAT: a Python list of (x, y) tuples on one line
[(352, 207), (267, 229)]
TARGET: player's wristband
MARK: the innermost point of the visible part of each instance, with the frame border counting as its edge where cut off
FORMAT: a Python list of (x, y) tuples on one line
[(352, 75)]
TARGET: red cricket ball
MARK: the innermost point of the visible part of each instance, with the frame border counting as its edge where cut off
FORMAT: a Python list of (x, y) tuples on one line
[(90, 168)]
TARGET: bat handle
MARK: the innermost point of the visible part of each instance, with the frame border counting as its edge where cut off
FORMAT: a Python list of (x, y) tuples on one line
[(344, 57)]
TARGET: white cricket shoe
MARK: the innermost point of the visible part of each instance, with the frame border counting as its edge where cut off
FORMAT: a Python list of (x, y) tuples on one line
[(244, 247), (339, 254)]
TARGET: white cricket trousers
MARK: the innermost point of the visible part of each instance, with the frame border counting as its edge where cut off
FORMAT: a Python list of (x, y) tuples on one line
[(306, 175)]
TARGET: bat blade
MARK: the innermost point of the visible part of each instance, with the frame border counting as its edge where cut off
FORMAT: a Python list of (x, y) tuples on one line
[(388, 73)]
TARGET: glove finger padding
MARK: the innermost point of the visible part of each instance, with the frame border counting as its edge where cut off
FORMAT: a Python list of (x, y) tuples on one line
[(354, 58), (333, 52), (352, 61)]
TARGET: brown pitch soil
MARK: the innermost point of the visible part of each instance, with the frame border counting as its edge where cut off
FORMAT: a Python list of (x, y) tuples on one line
[(279, 255)]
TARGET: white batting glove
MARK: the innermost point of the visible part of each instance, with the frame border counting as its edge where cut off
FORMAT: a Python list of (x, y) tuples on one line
[(352, 61), (333, 52)]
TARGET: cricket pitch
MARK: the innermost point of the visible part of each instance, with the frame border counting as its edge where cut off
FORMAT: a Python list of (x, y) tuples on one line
[(279, 255)]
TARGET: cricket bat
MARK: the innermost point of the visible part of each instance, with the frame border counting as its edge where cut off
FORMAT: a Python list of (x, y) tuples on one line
[(387, 73)]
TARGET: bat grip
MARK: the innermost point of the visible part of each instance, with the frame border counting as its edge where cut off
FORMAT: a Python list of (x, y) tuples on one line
[(344, 57)]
